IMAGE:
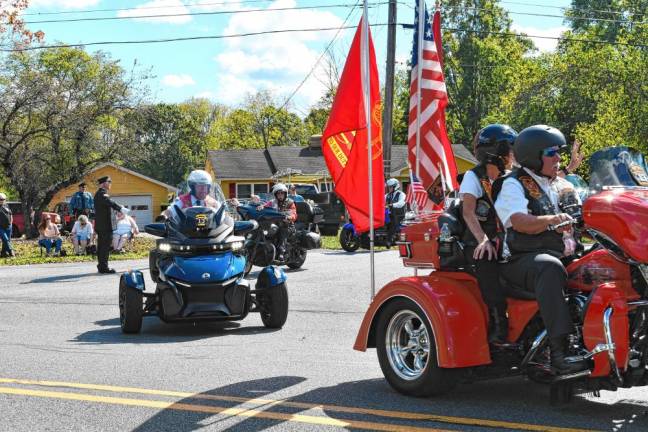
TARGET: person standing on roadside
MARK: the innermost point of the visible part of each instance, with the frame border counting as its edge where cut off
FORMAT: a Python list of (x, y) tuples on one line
[(81, 202), (104, 222), (6, 221)]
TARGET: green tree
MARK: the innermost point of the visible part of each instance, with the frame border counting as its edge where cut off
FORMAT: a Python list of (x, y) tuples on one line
[(173, 139), (62, 112)]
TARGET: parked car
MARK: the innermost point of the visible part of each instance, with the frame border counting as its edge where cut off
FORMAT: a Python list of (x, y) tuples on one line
[(67, 220), (18, 226), (334, 211)]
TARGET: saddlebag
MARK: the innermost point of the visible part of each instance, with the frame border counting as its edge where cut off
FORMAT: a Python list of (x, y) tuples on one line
[(309, 240), (451, 249)]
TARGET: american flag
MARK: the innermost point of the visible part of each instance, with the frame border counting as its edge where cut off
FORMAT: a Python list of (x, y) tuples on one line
[(435, 151), (416, 193)]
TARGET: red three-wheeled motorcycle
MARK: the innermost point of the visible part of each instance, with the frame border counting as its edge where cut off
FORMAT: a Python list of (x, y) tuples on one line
[(430, 331)]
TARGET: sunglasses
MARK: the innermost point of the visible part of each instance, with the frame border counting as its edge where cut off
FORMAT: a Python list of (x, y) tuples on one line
[(550, 152)]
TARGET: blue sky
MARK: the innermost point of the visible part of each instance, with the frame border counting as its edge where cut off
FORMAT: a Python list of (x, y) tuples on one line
[(225, 70)]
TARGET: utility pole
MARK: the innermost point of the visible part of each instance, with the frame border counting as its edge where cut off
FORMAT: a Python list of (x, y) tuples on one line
[(389, 88)]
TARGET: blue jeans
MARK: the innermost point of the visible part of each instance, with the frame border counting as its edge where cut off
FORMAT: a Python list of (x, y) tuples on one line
[(47, 244), (5, 236)]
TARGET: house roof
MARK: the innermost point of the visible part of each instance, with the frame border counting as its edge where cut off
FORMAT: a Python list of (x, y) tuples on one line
[(135, 173), (253, 163)]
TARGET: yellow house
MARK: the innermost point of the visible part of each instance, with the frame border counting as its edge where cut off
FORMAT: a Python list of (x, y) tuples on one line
[(144, 196), (252, 171)]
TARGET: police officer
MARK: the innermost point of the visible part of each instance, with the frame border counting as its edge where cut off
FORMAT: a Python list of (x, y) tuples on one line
[(528, 207), (104, 222), (395, 202), (493, 147)]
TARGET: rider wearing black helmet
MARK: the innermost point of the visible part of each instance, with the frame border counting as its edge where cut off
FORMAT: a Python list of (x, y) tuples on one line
[(493, 147), (528, 207)]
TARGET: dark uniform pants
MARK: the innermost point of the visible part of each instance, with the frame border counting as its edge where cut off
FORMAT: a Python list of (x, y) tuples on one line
[(104, 240), (546, 276), (488, 278)]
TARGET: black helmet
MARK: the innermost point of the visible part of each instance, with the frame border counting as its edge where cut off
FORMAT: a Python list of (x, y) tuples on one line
[(493, 143), (532, 141)]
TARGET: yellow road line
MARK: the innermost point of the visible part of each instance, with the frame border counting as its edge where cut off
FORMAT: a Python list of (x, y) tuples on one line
[(270, 402), (238, 412)]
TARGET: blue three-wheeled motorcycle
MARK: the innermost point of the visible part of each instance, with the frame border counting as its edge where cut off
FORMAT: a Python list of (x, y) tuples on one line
[(198, 267)]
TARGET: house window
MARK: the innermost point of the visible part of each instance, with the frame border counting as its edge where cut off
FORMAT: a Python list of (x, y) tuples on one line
[(244, 190)]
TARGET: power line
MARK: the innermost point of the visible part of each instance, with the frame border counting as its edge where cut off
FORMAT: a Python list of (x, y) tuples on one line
[(569, 9), (232, 11), (407, 26), (82, 11), (174, 15), (319, 59)]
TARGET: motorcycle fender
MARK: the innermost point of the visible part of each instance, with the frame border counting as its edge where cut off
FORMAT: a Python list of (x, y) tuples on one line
[(456, 316), (270, 276), (604, 296), (133, 279), (348, 226)]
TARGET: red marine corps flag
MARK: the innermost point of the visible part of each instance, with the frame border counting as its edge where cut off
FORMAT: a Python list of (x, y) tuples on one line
[(344, 142)]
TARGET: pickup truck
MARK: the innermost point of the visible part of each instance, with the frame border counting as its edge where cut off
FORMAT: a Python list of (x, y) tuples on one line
[(334, 212)]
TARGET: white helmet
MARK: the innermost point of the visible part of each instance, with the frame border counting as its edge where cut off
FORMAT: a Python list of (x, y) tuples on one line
[(279, 187), (198, 177), (392, 182), (3, 196)]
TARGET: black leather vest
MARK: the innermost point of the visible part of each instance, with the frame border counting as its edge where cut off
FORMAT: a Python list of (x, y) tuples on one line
[(484, 209), (539, 204)]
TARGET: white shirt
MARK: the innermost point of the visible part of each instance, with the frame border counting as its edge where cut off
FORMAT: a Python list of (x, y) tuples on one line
[(471, 185), (511, 199), (399, 197)]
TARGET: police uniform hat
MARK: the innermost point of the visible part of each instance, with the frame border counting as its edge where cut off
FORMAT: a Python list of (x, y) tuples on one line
[(103, 179)]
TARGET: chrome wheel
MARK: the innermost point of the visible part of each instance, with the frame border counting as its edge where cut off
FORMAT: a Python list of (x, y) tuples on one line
[(407, 343)]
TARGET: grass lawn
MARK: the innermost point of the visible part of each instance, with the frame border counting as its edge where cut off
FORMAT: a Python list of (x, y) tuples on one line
[(27, 251)]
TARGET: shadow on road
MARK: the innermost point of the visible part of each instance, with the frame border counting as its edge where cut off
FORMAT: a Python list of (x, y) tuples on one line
[(185, 421), (508, 400), (155, 331), (60, 278), (359, 251)]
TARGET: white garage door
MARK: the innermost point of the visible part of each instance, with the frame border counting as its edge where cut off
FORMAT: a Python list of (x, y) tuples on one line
[(140, 206)]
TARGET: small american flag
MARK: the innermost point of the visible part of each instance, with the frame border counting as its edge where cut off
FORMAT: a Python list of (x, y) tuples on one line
[(416, 193), (435, 154)]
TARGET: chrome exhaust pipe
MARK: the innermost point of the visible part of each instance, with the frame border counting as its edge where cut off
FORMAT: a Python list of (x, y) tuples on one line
[(610, 343)]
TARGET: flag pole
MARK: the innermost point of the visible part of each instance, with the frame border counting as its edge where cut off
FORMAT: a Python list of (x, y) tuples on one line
[(419, 75), (367, 104)]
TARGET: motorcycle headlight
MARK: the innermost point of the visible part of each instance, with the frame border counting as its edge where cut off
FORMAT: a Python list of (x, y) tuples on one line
[(164, 247), (236, 246)]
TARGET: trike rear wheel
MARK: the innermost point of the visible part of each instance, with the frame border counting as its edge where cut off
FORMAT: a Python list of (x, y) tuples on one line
[(407, 351)]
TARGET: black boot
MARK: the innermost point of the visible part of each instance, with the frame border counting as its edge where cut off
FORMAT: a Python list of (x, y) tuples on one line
[(559, 354), (497, 326)]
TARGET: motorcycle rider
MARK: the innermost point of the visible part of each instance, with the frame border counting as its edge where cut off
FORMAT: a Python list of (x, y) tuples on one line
[(282, 203), (200, 184), (395, 202), (493, 147), (528, 207)]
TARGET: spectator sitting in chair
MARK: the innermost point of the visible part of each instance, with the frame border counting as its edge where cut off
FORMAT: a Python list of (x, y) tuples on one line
[(49, 236), (125, 230), (82, 233), (6, 221)]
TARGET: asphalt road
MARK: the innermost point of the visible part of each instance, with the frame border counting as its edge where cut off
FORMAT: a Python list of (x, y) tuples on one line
[(64, 365)]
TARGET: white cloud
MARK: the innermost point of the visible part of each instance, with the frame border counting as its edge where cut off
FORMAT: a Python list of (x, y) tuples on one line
[(159, 7), (64, 4), (276, 62), (182, 80), (205, 6), (544, 45)]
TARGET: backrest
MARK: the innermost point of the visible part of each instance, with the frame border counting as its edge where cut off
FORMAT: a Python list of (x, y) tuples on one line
[(304, 212)]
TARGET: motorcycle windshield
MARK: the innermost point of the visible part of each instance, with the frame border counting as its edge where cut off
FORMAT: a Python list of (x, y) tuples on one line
[(207, 218), (618, 166)]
